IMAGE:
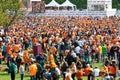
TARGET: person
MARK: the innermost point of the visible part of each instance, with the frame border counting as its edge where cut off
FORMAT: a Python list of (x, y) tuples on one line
[(4, 52), (91, 75), (113, 71), (64, 67), (96, 71), (26, 59), (86, 70), (79, 74), (21, 70), (32, 70), (57, 72), (68, 75), (1, 57), (18, 62), (12, 69), (107, 77), (104, 52), (39, 71), (73, 69), (47, 74)]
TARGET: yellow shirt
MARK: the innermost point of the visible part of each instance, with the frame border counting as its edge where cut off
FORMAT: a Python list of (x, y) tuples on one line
[(99, 49)]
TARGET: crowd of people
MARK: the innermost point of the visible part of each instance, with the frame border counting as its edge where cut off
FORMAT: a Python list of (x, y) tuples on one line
[(70, 45)]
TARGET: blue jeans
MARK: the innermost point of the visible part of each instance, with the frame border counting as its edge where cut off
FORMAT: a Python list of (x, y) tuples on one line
[(103, 56), (87, 58)]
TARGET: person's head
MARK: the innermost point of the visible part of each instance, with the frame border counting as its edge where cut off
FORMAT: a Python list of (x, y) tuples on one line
[(68, 70), (73, 63), (79, 67), (88, 65), (22, 63), (96, 67)]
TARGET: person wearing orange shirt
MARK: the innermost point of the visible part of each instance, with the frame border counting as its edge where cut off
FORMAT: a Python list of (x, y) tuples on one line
[(25, 58), (86, 70), (34, 41), (33, 71), (79, 74), (113, 71), (8, 48), (16, 48), (50, 58), (68, 75), (1, 56)]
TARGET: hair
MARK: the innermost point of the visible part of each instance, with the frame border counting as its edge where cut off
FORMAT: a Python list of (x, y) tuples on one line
[(22, 63), (79, 67)]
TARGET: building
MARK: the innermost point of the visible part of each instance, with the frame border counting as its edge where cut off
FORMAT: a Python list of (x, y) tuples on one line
[(101, 5)]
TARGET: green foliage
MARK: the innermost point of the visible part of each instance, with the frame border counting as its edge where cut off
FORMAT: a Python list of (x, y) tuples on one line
[(114, 3), (47, 1), (8, 11), (60, 1)]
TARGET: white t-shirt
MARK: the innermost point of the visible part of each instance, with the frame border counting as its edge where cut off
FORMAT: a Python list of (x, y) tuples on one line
[(96, 71), (118, 73), (21, 69), (57, 70), (77, 49)]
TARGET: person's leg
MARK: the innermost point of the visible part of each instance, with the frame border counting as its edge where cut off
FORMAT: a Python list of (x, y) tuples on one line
[(73, 76), (31, 77), (109, 56), (12, 76), (18, 68), (34, 77), (38, 76), (26, 66), (63, 75), (22, 75), (102, 57), (0, 61)]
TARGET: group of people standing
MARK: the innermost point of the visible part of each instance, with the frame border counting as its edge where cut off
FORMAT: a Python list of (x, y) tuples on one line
[(70, 45)]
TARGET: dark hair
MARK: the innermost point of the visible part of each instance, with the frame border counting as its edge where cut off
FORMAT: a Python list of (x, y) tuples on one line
[(22, 63), (12, 60), (79, 67)]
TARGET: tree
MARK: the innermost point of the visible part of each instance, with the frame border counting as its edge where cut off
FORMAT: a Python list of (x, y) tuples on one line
[(115, 4), (8, 11)]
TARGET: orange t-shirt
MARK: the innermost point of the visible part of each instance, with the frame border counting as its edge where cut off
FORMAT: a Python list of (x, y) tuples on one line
[(105, 68), (112, 70), (68, 76), (55, 51), (53, 65), (86, 71), (33, 69), (34, 41), (79, 74), (10, 52), (25, 56), (103, 74), (16, 48), (1, 55), (8, 48)]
